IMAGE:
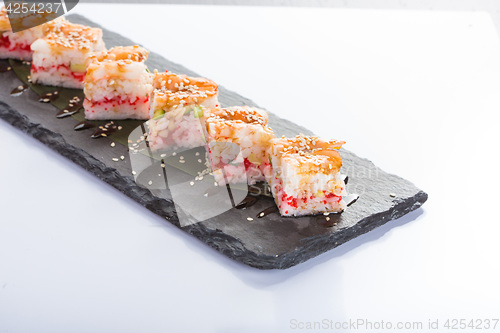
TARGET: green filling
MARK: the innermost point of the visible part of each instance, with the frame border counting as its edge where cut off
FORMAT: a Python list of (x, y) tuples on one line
[(158, 114), (78, 68), (198, 112)]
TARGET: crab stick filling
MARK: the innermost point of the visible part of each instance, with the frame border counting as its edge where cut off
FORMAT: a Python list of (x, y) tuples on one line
[(61, 68), (6, 43)]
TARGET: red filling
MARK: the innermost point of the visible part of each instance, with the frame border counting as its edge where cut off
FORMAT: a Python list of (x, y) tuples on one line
[(4, 41), (7, 43), (116, 101), (295, 202), (254, 171), (248, 165), (78, 76), (24, 47)]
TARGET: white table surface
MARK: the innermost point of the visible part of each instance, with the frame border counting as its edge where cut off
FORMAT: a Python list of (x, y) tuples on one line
[(415, 92)]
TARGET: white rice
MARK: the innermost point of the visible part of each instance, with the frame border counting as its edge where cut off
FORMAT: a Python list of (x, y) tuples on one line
[(112, 110), (210, 102), (176, 129), (7, 53), (251, 139), (25, 37), (107, 98), (289, 178), (134, 81), (52, 75), (56, 77)]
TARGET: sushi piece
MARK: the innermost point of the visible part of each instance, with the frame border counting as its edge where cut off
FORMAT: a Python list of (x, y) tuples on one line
[(305, 177), (118, 84), (59, 58), (176, 109), (246, 127), (17, 45)]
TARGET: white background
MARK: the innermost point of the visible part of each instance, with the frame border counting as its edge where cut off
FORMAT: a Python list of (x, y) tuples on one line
[(415, 92)]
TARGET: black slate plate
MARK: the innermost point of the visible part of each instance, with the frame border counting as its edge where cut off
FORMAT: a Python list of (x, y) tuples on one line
[(270, 242)]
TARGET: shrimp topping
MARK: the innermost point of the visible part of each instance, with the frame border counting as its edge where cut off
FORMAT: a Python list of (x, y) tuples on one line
[(124, 54), (66, 35), (4, 20), (312, 153), (173, 89), (241, 114)]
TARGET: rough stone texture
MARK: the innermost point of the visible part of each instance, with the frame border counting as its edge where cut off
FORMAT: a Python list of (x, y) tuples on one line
[(272, 242)]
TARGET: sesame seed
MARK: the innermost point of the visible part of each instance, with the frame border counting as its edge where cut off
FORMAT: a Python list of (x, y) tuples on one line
[(327, 218), (122, 157), (182, 161), (392, 195), (134, 173), (249, 219), (163, 155), (191, 183), (115, 159), (113, 144), (150, 182), (199, 160)]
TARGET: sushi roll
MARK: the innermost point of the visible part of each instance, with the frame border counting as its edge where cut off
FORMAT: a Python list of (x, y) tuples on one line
[(59, 58), (117, 84), (176, 109), (305, 177), (246, 127), (17, 45)]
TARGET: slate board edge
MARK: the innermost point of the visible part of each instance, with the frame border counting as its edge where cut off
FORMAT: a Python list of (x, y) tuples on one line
[(226, 244), (216, 239), (56, 142), (317, 245)]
